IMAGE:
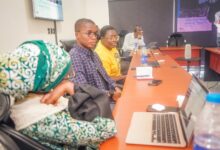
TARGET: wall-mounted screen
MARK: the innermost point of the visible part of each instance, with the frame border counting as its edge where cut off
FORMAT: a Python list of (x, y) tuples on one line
[(196, 15), (196, 21), (48, 9)]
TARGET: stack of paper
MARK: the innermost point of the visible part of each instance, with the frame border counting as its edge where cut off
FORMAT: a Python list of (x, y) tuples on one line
[(144, 72)]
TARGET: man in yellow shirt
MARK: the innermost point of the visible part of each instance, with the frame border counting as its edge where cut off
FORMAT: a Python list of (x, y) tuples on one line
[(108, 53)]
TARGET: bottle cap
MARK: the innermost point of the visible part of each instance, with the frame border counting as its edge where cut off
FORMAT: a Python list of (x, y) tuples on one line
[(213, 98)]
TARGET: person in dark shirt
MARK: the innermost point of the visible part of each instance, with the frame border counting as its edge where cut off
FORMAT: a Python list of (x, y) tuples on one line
[(214, 6), (86, 64)]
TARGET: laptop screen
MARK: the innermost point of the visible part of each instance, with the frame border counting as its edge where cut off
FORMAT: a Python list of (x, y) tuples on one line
[(194, 102)]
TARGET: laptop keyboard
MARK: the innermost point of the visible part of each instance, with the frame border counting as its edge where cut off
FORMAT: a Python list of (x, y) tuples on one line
[(164, 129)]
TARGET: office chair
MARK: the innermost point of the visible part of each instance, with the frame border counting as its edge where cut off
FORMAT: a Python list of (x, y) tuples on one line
[(121, 34), (67, 44), (171, 41), (180, 41), (9, 137), (6, 143), (125, 60), (176, 39)]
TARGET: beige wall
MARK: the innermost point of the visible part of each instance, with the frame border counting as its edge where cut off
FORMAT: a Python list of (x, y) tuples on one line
[(18, 24), (98, 11)]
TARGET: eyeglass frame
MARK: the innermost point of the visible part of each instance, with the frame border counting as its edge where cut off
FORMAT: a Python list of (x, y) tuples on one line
[(116, 37), (90, 34)]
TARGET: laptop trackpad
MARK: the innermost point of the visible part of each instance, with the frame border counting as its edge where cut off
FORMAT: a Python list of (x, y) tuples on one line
[(139, 131)]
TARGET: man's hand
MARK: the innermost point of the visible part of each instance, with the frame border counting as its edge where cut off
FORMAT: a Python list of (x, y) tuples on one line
[(117, 94), (122, 77)]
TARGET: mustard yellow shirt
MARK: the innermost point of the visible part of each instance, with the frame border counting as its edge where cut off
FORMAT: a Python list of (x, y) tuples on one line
[(110, 59)]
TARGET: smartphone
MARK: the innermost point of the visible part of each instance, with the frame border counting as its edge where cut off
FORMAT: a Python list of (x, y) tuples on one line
[(154, 82)]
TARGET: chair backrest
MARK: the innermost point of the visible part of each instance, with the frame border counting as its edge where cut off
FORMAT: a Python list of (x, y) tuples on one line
[(121, 34), (172, 41), (175, 35), (176, 39), (6, 142), (67, 44), (22, 141), (9, 137), (4, 107), (180, 41)]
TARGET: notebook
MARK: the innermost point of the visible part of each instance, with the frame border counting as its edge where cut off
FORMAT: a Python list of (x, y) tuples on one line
[(144, 72), (172, 129)]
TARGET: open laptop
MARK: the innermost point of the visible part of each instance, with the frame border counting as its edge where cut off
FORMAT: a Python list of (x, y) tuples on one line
[(173, 129)]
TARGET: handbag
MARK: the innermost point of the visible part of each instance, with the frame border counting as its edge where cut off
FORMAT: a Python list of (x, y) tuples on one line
[(89, 102)]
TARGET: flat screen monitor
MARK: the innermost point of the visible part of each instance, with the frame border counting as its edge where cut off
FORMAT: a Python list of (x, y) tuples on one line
[(48, 9)]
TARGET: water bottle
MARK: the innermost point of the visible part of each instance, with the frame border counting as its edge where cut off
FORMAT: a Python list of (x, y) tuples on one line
[(207, 129), (188, 51), (143, 56)]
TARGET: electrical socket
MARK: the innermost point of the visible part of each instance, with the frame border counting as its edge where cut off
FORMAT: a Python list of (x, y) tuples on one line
[(51, 30)]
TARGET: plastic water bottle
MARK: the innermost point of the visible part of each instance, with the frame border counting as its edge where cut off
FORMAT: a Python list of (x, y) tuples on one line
[(143, 56), (188, 51), (207, 129)]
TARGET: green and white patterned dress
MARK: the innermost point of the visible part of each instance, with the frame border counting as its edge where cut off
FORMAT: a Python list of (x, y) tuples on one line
[(39, 66), (30, 68)]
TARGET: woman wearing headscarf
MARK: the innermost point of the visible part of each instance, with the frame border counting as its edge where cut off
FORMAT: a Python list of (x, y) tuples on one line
[(42, 67)]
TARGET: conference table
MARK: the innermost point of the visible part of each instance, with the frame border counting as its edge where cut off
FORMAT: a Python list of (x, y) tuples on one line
[(177, 52), (214, 61), (212, 64), (137, 95)]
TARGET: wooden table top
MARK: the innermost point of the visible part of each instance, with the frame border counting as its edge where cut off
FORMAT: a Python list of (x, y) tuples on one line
[(178, 48), (137, 95), (213, 49)]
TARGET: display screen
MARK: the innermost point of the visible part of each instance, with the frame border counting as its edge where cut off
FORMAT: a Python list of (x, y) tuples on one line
[(196, 15), (194, 103), (48, 9)]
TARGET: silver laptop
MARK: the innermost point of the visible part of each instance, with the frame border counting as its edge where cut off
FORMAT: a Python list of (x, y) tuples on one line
[(173, 129)]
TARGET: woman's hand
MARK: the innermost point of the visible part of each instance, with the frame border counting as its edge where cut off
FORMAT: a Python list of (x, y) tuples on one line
[(65, 87)]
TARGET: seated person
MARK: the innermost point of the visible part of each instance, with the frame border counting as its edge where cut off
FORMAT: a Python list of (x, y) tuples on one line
[(133, 40), (217, 24), (108, 53), (86, 64), (38, 66)]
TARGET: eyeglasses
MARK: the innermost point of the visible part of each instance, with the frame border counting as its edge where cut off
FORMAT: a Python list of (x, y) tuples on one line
[(115, 37), (90, 34)]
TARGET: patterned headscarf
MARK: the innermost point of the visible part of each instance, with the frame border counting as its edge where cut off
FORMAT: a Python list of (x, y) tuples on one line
[(35, 66)]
